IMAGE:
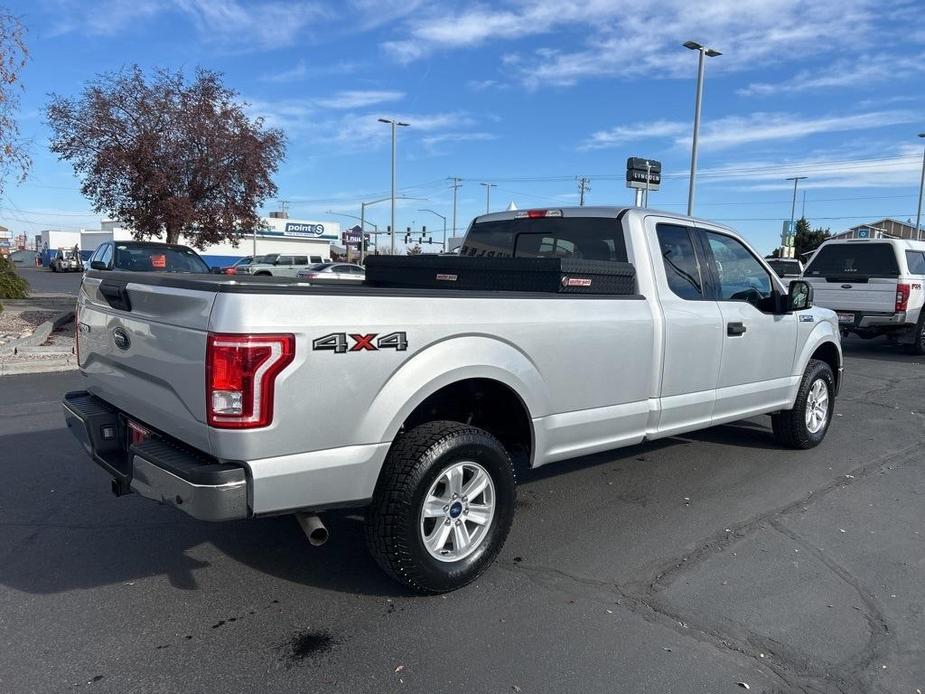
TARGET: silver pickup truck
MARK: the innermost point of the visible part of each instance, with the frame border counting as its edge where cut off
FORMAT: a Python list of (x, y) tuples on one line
[(198, 389)]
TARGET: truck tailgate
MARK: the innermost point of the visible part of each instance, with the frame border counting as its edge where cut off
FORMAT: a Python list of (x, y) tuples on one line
[(876, 294), (142, 348)]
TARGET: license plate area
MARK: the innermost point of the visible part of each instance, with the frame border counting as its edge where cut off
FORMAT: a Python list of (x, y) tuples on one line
[(846, 318)]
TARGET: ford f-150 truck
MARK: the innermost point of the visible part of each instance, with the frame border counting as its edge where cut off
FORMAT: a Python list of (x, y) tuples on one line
[(198, 389)]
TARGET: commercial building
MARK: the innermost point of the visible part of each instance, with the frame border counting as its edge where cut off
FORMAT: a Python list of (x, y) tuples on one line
[(883, 228), (281, 235)]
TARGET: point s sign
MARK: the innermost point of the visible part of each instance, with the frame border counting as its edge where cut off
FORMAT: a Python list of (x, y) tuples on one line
[(304, 230)]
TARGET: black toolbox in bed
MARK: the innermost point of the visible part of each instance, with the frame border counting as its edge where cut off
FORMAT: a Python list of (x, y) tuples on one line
[(559, 275)]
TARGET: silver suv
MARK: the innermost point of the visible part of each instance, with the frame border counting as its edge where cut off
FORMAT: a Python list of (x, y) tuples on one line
[(279, 265)]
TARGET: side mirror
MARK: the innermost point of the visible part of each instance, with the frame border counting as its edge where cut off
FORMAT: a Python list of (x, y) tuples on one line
[(800, 296), (97, 265)]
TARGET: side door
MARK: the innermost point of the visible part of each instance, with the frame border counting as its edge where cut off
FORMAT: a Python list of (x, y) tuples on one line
[(692, 328), (759, 344), (284, 266), (299, 262)]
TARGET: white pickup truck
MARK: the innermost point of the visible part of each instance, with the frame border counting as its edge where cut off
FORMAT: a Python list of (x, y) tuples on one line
[(876, 286), (201, 391)]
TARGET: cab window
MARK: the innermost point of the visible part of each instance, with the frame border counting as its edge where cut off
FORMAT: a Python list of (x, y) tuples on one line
[(916, 262), (682, 268), (106, 257), (739, 275)]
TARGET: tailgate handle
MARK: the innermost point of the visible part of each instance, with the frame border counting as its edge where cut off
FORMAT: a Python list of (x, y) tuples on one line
[(116, 295), (735, 329)]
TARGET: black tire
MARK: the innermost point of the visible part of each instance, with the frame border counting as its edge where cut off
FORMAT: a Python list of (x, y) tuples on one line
[(790, 428), (415, 462), (918, 347)]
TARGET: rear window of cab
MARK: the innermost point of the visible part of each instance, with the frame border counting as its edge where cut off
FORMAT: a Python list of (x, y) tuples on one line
[(854, 259)]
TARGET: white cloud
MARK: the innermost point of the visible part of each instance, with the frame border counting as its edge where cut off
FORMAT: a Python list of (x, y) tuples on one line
[(360, 99), (626, 39), (636, 131), (243, 23), (736, 131), (861, 71), (293, 74)]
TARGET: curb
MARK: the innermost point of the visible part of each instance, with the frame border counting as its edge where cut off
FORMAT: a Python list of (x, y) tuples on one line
[(38, 367), (38, 336)]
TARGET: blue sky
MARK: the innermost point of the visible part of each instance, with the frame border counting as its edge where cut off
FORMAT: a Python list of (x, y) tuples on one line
[(526, 94)]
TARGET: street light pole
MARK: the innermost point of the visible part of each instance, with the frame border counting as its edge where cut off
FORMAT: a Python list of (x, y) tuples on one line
[(918, 215), (394, 124), (488, 187), (704, 53), (793, 204), (456, 186), (444, 225)]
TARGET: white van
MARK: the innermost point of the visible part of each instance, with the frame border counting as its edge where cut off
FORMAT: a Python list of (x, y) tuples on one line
[(875, 286)]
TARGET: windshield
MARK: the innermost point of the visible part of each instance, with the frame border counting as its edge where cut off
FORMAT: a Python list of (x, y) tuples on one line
[(244, 261), (854, 259), (157, 259), (591, 238)]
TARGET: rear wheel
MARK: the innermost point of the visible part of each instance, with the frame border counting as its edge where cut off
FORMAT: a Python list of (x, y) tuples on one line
[(442, 508), (806, 424), (918, 346)]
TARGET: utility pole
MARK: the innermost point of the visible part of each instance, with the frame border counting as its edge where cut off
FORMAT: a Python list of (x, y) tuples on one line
[(488, 187), (455, 186), (394, 124), (704, 52), (584, 185), (918, 215), (803, 212), (793, 207)]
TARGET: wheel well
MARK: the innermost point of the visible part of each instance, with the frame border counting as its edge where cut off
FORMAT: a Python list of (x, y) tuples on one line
[(828, 353), (484, 403)]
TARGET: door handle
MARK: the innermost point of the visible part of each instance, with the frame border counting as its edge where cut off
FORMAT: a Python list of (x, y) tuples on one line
[(735, 329)]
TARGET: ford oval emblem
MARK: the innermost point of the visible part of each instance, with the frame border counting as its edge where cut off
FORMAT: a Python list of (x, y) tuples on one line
[(121, 339)]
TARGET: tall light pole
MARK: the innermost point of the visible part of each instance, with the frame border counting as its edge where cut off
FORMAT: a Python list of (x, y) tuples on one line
[(709, 53), (793, 204), (488, 187), (918, 215), (456, 186), (394, 124), (444, 225)]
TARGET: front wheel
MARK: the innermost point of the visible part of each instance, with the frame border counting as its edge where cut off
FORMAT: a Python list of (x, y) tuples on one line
[(806, 424), (442, 508)]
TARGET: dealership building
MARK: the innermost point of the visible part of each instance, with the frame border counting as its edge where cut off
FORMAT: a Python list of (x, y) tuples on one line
[(280, 235)]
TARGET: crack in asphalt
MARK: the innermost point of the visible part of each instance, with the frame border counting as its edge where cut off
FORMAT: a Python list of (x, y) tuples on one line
[(783, 663)]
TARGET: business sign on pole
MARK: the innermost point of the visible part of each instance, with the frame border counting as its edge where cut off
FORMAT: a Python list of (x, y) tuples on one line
[(299, 230), (644, 174)]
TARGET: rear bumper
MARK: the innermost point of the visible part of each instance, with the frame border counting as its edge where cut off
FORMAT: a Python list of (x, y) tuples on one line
[(873, 320), (157, 468)]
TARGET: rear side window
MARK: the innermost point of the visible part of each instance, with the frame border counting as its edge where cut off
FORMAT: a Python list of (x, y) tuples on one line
[(316, 259), (301, 260), (158, 259), (916, 262), (681, 265), (854, 259), (590, 238)]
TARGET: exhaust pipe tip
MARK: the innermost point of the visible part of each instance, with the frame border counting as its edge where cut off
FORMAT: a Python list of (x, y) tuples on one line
[(314, 528)]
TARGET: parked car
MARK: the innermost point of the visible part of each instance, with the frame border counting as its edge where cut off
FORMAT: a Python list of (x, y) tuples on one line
[(333, 271), (875, 286), (65, 260), (197, 398), (237, 265), (280, 265), (146, 256), (786, 268)]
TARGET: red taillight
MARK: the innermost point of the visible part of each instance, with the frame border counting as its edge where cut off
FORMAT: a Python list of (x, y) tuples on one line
[(538, 214), (240, 373), (231, 271), (309, 276), (902, 296)]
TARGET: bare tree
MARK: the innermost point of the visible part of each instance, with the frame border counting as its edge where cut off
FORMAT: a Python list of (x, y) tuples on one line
[(13, 58), (164, 156)]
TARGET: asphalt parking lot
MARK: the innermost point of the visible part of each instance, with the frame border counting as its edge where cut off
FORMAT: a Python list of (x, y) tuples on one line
[(44, 281), (689, 565)]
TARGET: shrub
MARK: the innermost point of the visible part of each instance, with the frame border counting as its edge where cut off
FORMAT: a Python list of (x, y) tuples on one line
[(12, 286)]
